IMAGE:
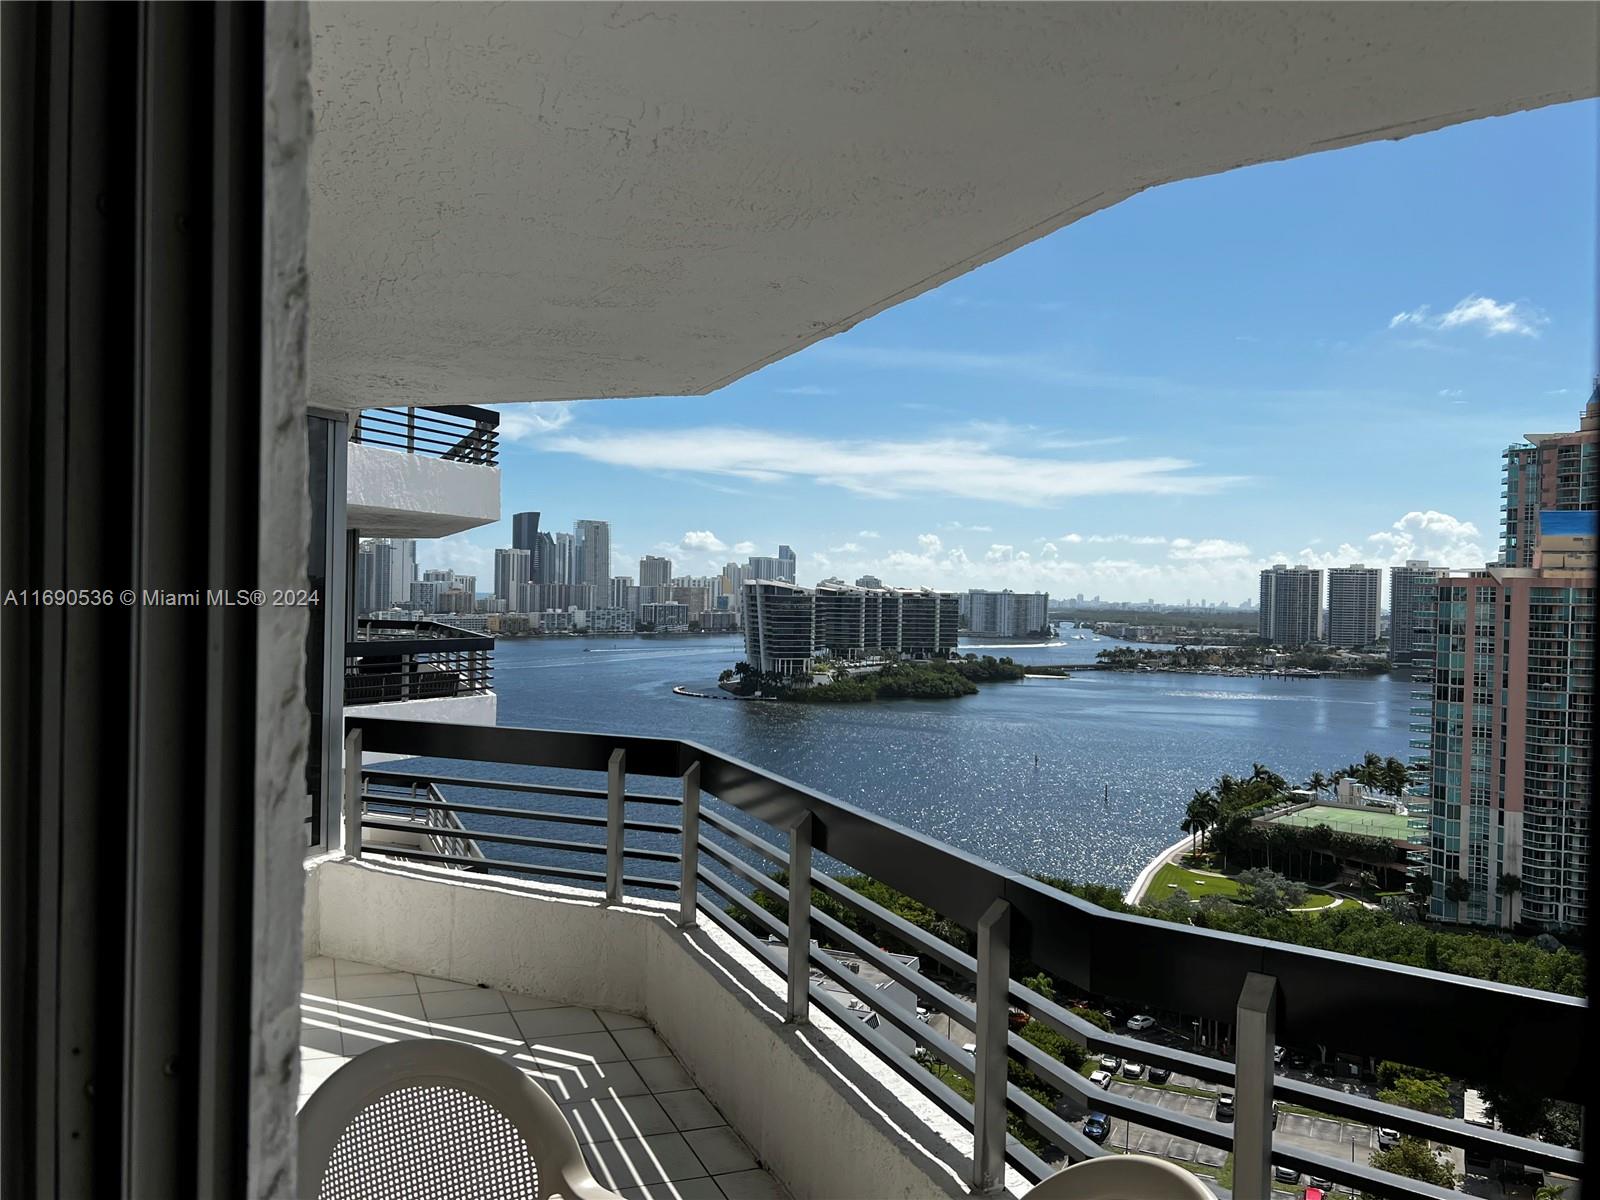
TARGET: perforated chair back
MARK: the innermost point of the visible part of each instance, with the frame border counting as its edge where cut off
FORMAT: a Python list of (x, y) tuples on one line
[(438, 1119), (1122, 1177)]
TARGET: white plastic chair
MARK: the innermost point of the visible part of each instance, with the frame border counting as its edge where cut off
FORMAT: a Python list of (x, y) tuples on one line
[(1122, 1177), (438, 1119)]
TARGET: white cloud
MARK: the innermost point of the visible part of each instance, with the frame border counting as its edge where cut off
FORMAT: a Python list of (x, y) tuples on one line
[(1493, 317), (703, 540), (1449, 393), (524, 422), (969, 528), (1436, 536), (1207, 548), (930, 543), (868, 533), (809, 389), (1126, 539), (744, 547), (456, 553), (846, 548), (947, 466)]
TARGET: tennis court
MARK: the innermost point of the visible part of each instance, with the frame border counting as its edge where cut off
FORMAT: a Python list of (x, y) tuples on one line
[(1371, 822)]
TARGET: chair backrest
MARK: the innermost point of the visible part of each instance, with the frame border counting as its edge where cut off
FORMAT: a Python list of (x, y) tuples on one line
[(440, 1119), (1122, 1177)]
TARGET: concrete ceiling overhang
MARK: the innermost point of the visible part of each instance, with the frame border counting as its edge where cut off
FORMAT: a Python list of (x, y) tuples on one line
[(516, 202)]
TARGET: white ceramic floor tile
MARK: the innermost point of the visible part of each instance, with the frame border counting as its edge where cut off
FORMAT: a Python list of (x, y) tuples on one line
[(377, 1008), (387, 983), (640, 1043), (610, 1118), (704, 1188), (317, 1037), (318, 987), (552, 1022), (751, 1185), (488, 1030), (614, 1020), (473, 1002), (690, 1109), (630, 1162), (319, 966), (580, 1081), (520, 1002), (346, 966), (663, 1074), (427, 983), (720, 1150), (576, 1047)]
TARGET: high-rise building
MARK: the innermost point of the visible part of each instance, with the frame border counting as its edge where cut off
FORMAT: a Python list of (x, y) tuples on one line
[(1291, 605), (1512, 727), (1548, 472), (869, 581), (655, 571), (511, 569), (1410, 596), (564, 560), (844, 622), (665, 617), (778, 624), (592, 552), (524, 531), (761, 567), (787, 558), (622, 593), (1006, 613), (1353, 605)]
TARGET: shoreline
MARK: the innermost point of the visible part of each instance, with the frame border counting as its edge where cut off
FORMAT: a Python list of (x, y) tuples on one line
[(1141, 881)]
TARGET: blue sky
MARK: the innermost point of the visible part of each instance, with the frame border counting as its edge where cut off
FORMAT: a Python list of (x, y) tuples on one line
[(1315, 361)]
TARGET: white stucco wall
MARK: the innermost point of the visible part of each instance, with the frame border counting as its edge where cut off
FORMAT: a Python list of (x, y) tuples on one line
[(822, 1114), (390, 493), (448, 710)]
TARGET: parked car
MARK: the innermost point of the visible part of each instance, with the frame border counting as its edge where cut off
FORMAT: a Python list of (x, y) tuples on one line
[(1284, 1173), (1314, 1193), (1225, 1106), (1322, 1185), (1160, 1074), (1141, 1022), (1388, 1139), (1133, 1070), (1279, 1053), (1097, 1127), (1101, 1079), (970, 1049), (1110, 1062)]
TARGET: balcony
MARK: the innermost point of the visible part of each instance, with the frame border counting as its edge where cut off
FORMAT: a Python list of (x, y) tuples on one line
[(423, 472), (647, 880), (438, 672)]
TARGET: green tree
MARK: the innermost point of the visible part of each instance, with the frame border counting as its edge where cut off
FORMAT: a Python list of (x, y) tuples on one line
[(1270, 891), (1458, 890), (1316, 783), (1424, 1095), (1415, 1159)]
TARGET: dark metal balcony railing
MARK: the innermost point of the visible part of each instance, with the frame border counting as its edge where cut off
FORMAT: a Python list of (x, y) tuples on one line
[(731, 828), (458, 432), (415, 660)]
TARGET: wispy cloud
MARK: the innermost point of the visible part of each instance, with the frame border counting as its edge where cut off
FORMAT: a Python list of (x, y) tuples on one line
[(702, 539), (1207, 548), (809, 389), (1483, 312), (938, 466), (525, 422), (1127, 539), (1449, 393)]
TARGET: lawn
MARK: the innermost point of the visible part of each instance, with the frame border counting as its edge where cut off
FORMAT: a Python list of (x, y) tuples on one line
[(1196, 883)]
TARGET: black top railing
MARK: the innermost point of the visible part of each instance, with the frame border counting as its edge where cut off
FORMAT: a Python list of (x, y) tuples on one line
[(724, 846), (457, 432), (415, 660)]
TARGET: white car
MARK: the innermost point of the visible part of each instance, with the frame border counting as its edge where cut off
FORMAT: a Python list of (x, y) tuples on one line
[(1141, 1022), (1133, 1070), (1101, 1079), (1111, 1062)]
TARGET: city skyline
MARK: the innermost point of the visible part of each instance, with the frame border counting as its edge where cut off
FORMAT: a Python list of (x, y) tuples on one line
[(1158, 402)]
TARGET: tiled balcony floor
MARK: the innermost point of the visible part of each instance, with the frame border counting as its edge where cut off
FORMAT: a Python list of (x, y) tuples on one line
[(646, 1130)]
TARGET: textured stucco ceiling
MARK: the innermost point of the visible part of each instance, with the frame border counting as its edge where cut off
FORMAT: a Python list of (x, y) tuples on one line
[(555, 201)]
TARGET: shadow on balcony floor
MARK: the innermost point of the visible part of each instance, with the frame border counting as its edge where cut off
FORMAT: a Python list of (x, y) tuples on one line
[(646, 1130)]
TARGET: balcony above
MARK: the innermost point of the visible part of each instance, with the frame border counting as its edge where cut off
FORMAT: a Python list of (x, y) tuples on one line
[(420, 671), (423, 472)]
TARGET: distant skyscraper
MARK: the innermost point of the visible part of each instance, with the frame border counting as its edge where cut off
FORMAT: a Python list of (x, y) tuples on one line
[(565, 559), (869, 581), (524, 530), (761, 567), (592, 553), (510, 569), (786, 557), (1353, 592), (542, 560), (655, 571), (1549, 472), (1410, 599), (1291, 605), (1006, 613)]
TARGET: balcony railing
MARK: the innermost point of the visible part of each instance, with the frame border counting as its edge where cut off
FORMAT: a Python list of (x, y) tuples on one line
[(457, 432), (728, 829), (415, 660)]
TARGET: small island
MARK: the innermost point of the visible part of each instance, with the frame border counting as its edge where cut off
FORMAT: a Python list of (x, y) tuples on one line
[(858, 682)]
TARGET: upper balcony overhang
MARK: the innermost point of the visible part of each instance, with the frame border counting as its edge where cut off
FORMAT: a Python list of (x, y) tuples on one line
[(391, 493), (557, 201)]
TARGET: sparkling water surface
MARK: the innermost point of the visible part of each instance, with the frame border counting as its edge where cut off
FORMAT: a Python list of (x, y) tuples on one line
[(1118, 754)]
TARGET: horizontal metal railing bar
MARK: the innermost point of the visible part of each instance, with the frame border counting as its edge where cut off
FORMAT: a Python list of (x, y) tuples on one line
[(1092, 1037), (925, 942), (1053, 1126), (763, 918), (467, 643), (512, 785), (537, 843), (468, 413), (1162, 965), (524, 814), (947, 1001), (416, 430), (500, 864), (1361, 1178)]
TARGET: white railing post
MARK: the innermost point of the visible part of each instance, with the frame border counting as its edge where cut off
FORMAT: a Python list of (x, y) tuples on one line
[(352, 793), (616, 777), (1256, 1030), (800, 919), (688, 878), (989, 1069)]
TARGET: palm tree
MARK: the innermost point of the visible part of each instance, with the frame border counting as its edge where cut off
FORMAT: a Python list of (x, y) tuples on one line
[(1202, 810), (1458, 890), (1395, 777), (1192, 827), (1260, 773), (1317, 782)]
